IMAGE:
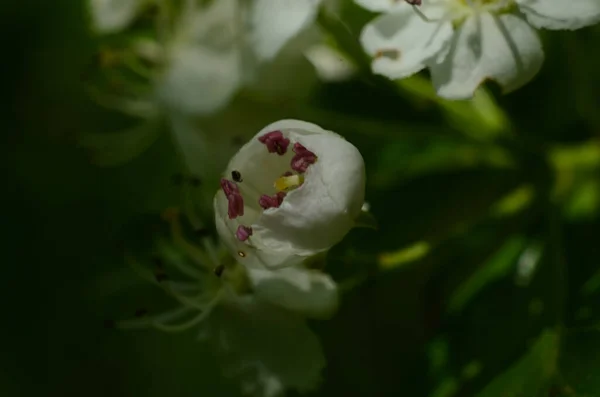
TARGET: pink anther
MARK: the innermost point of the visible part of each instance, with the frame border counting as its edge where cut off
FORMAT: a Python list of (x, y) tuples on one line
[(302, 159), (274, 201), (235, 206), (243, 232), (275, 142)]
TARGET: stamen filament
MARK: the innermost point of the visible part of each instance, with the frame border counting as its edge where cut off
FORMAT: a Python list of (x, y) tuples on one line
[(175, 258), (194, 252), (191, 323), (194, 302)]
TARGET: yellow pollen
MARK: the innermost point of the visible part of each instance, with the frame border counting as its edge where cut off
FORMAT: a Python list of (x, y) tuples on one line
[(285, 183)]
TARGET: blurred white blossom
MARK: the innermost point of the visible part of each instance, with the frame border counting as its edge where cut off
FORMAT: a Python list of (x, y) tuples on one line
[(254, 320), (466, 42), (111, 16), (217, 49), (185, 75), (293, 191), (330, 64)]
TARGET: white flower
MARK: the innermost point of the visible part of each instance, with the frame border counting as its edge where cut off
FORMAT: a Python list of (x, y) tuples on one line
[(268, 348), (192, 67), (254, 320), (290, 193), (208, 50), (218, 49), (110, 16), (330, 64), (465, 42)]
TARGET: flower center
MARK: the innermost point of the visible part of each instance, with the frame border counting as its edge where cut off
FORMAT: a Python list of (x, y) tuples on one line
[(286, 183), (495, 6), (456, 11), (249, 193)]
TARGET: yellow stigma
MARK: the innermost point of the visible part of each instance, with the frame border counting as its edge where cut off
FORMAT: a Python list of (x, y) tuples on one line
[(285, 183)]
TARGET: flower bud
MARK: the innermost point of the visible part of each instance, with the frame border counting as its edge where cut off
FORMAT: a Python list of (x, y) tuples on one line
[(300, 190)]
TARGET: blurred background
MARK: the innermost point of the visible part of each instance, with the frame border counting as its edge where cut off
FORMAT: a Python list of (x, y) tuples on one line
[(483, 278)]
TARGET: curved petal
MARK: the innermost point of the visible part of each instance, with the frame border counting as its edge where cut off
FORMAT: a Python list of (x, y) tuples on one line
[(110, 16), (274, 22), (246, 254), (200, 80), (320, 212), (330, 64), (401, 42), (309, 292), (269, 348), (501, 48), (561, 14)]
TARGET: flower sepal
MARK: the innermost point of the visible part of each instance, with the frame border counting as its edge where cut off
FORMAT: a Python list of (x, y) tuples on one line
[(366, 220)]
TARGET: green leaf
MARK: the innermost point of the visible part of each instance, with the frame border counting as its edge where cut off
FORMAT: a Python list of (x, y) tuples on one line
[(416, 156), (480, 118), (497, 267), (528, 376)]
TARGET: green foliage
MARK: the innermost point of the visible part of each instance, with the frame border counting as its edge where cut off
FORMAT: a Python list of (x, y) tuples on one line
[(534, 370)]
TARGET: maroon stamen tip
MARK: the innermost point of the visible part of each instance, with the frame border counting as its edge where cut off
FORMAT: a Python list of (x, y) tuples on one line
[(275, 142), (280, 197), (298, 148), (229, 187), (243, 232), (235, 205), (274, 201), (302, 159)]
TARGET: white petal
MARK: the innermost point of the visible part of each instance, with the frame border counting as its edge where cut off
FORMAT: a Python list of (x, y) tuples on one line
[(110, 16), (216, 26), (561, 14), (249, 255), (204, 155), (200, 80), (501, 48), (382, 5), (204, 67), (269, 348), (309, 292), (401, 42), (289, 75), (330, 64), (274, 22), (319, 213)]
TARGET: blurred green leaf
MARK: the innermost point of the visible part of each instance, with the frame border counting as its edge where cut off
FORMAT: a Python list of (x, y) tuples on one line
[(407, 255), (415, 156), (517, 200), (592, 286), (497, 267), (480, 118), (528, 376)]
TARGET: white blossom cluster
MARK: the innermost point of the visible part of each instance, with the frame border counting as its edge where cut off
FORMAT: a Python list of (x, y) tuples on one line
[(463, 43)]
